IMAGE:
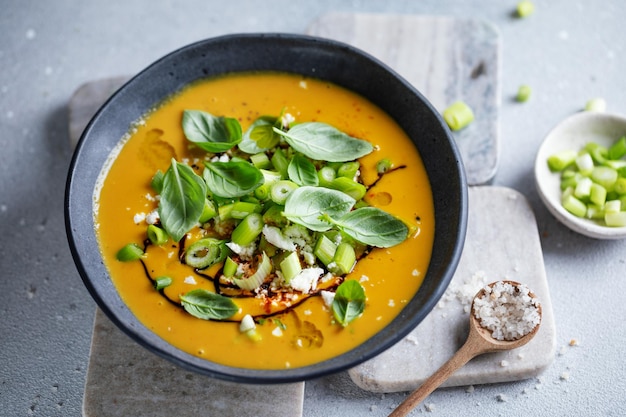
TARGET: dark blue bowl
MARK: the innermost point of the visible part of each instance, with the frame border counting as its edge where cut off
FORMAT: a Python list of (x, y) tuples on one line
[(308, 56)]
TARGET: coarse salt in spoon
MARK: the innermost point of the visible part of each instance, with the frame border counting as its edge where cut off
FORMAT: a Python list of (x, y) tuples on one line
[(504, 315)]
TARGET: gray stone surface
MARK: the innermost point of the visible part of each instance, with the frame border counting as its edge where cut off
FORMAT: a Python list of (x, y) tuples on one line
[(567, 51), (502, 244), (124, 379)]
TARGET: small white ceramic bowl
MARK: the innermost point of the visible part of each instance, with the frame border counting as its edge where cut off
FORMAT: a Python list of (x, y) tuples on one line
[(573, 133)]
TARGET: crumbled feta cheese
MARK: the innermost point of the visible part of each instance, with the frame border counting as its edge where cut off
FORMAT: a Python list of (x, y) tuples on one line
[(415, 273), (328, 297), (246, 252), (150, 197), (276, 238), (190, 280), (306, 279), (391, 303), (277, 332), (153, 217), (364, 278), (139, 217)]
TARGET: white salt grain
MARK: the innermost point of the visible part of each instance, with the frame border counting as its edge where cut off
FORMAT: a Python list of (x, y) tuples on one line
[(508, 311)]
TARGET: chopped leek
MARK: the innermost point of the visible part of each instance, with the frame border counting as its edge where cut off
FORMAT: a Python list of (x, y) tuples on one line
[(458, 115)]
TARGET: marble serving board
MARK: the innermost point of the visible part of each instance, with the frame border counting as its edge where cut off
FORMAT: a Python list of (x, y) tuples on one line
[(502, 243), (446, 59)]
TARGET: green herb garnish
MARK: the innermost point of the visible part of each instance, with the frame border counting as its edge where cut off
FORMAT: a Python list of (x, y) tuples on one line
[(206, 305), (232, 179), (213, 134), (349, 302), (182, 200), (325, 143)]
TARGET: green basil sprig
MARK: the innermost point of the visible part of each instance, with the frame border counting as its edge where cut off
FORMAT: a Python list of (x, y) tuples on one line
[(211, 133), (206, 305), (349, 302), (302, 171), (323, 142), (260, 136), (182, 200), (372, 226), (306, 206), (232, 179)]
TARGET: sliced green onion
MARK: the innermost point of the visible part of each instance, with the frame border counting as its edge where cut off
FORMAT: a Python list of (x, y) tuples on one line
[(325, 175), (383, 166), (523, 93), (458, 115), (208, 212), (344, 259), (248, 230), (595, 212), (615, 219), (574, 205), (596, 104), (561, 160), (290, 266), (241, 209), (597, 194), (130, 252), (324, 250), (274, 216), (205, 252), (583, 189), (224, 211), (280, 162), (612, 206), (620, 186), (525, 8), (157, 235), (230, 267), (162, 282), (281, 190), (348, 169), (584, 162), (604, 176), (348, 186), (255, 280), (260, 160), (598, 153), (269, 178)]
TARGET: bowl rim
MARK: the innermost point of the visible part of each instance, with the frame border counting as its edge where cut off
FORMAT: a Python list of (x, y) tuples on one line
[(572, 133), (80, 226)]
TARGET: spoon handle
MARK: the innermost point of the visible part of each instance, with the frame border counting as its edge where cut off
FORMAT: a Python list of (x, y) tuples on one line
[(469, 350)]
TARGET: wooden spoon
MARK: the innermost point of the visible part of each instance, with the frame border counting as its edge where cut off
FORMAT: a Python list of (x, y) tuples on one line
[(479, 341)]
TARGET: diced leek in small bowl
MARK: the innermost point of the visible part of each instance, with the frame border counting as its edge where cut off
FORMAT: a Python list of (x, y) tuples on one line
[(580, 173)]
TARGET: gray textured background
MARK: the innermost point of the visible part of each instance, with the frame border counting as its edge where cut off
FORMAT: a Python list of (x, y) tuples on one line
[(568, 51)]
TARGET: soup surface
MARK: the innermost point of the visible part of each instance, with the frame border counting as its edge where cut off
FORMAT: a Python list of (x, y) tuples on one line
[(300, 329)]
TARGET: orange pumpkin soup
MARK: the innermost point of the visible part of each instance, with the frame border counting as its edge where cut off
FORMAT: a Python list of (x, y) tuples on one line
[(255, 304)]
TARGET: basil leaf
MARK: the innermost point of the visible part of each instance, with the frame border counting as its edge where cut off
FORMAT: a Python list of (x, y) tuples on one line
[(374, 227), (302, 171), (323, 142), (182, 200), (211, 133), (307, 205), (349, 302), (260, 136), (206, 305), (232, 179)]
